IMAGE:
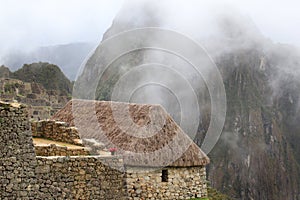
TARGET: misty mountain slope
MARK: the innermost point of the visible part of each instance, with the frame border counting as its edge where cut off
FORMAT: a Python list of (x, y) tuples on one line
[(253, 159), (257, 156), (48, 75), (69, 57)]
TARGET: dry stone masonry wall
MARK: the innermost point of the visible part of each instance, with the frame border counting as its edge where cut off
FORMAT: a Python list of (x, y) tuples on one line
[(58, 131), (23, 175), (17, 158), (54, 150), (80, 178), (180, 183)]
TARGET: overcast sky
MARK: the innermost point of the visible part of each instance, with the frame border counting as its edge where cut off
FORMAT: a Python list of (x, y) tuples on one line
[(32, 23)]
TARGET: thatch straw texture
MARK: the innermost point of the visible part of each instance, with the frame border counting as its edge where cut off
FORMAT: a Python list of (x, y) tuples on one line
[(145, 135)]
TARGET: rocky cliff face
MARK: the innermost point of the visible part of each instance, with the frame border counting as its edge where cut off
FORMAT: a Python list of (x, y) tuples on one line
[(254, 158)]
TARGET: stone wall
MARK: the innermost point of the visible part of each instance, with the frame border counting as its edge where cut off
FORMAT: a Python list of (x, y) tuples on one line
[(43, 103), (58, 131), (182, 183), (80, 178), (39, 112), (25, 176), (54, 150), (17, 158)]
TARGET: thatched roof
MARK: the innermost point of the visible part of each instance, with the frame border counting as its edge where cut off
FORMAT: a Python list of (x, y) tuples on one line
[(145, 135)]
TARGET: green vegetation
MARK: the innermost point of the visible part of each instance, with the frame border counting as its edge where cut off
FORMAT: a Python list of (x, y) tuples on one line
[(213, 194), (11, 87), (48, 75)]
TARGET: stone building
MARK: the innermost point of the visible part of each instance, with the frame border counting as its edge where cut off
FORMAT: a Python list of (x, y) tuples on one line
[(161, 161), (157, 162), (41, 103)]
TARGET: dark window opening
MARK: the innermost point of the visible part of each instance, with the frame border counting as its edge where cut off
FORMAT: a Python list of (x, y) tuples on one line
[(164, 175)]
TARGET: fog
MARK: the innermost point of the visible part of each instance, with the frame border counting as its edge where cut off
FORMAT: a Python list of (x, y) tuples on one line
[(220, 27), (248, 33), (32, 23), (28, 24)]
